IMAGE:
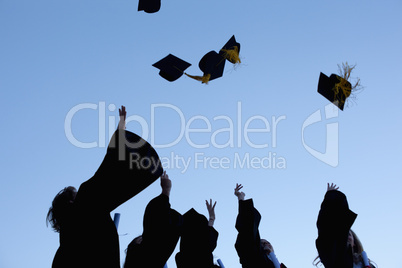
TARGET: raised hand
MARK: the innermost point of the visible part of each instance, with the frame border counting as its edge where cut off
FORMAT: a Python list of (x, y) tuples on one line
[(211, 211), (332, 187), (122, 114), (240, 195), (166, 183)]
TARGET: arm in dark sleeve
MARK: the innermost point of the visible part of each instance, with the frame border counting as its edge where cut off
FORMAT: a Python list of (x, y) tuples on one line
[(161, 225), (130, 165), (213, 238), (334, 222), (248, 242), (156, 214)]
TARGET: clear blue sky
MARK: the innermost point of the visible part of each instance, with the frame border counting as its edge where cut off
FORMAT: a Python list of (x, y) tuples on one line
[(57, 56)]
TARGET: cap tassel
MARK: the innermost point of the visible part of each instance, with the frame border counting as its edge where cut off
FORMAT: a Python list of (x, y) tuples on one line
[(232, 55), (343, 87), (204, 79)]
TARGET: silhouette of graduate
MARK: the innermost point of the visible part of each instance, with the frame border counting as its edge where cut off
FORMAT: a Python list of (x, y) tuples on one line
[(253, 251), (88, 236), (337, 245), (162, 226), (198, 239)]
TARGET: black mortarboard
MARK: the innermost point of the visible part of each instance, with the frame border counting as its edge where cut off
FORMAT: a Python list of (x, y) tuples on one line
[(171, 67), (334, 88), (197, 241), (231, 50), (149, 6), (212, 65)]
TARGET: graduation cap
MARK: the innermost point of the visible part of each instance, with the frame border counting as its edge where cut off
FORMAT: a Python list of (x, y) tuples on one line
[(212, 65), (335, 89), (231, 50), (197, 241), (193, 219), (149, 6), (171, 67)]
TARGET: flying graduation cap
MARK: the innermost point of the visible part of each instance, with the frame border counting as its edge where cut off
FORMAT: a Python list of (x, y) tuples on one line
[(149, 6), (171, 67), (337, 88), (231, 50), (212, 64), (327, 85)]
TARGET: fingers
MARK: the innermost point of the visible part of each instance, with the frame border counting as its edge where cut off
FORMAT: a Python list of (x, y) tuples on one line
[(209, 205), (238, 187), (122, 111), (331, 187)]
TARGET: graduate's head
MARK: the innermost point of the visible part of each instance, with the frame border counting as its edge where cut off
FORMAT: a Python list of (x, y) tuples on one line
[(266, 246), (61, 202), (354, 242), (138, 240)]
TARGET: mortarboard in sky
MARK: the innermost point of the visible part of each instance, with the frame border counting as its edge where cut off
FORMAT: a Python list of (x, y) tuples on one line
[(149, 6), (212, 65), (327, 85), (231, 50), (336, 88), (171, 67)]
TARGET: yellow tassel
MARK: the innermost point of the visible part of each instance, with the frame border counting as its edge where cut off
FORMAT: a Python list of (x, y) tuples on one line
[(232, 55), (204, 79), (343, 87)]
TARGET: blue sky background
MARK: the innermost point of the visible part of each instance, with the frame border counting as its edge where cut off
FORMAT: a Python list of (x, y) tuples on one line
[(55, 55)]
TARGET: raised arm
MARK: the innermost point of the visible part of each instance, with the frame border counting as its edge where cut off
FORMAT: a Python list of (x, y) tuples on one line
[(248, 242), (130, 165), (211, 212), (122, 115), (166, 184), (240, 195), (333, 223), (248, 215)]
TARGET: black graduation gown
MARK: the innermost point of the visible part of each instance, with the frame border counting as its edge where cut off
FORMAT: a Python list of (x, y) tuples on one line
[(89, 238), (198, 241), (248, 242), (334, 222), (161, 233)]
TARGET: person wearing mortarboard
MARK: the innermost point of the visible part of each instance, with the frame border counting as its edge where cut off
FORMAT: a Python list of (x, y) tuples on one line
[(198, 239), (337, 245), (88, 236), (253, 251), (161, 233)]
